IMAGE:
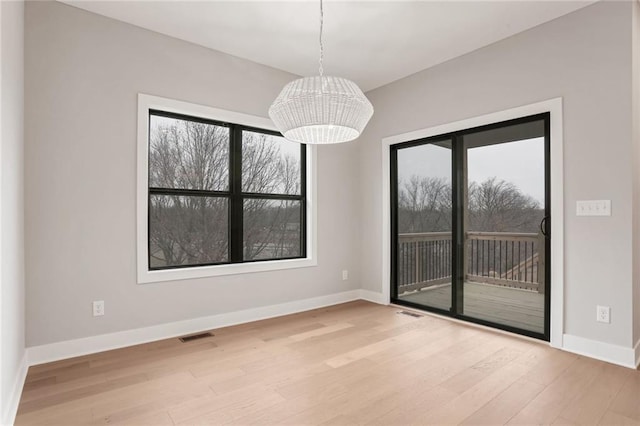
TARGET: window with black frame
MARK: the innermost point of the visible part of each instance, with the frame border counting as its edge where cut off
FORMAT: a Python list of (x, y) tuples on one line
[(222, 193)]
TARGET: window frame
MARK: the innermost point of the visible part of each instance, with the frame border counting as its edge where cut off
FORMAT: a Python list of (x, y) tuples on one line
[(237, 123)]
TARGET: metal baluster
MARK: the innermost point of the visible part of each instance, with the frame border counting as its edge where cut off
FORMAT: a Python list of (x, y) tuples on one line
[(418, 263), (512, 260), (500, 261), (526, 261), (477, 257), (494, 258), (439, 259)]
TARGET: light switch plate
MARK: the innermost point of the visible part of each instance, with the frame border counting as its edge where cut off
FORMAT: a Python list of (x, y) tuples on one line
[(593, 208)]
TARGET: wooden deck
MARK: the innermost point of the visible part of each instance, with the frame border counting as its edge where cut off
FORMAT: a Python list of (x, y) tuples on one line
[(503, 305)]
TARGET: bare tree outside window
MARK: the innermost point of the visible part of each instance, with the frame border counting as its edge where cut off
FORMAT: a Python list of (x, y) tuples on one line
[(191, 194), (188, 230), (270, 164), (500, 206), (494, 205), (424, 205), (272, 228), (187, 154)]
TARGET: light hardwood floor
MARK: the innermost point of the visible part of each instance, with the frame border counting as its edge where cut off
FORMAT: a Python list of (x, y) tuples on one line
[(356, 363)]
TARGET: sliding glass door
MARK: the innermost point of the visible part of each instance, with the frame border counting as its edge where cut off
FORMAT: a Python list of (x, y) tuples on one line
[(424, 248), (470, 225)]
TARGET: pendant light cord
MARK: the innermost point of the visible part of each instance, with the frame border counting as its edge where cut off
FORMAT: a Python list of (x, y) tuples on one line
[(321, 43)]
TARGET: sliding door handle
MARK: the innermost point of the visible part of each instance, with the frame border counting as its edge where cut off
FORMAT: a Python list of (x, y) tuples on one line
[(543, 226)]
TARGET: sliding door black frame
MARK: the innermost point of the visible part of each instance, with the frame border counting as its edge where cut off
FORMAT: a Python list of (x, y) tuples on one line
[(458, 238)]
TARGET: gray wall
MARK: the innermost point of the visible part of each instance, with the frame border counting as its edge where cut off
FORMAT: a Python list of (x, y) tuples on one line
[(12, 296), (636, 168), (583, 57), (84, 73)]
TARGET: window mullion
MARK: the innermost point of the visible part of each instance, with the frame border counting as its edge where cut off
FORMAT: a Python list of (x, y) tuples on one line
[(187, 192), (236, 217), (303, 201)]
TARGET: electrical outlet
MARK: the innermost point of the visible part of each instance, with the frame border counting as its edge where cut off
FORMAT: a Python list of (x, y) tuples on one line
[(603, 314), (98, 308), (345, 275)]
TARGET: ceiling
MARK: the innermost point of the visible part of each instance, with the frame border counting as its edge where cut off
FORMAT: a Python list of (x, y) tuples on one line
[(370, 42)]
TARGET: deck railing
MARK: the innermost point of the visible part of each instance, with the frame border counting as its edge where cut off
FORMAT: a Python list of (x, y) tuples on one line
[(424, 260), (499, 258)]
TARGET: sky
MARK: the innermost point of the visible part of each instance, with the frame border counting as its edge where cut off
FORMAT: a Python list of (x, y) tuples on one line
[(520, 162)]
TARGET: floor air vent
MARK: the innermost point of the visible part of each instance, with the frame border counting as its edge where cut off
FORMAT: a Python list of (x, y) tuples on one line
[(411, 314), (185, 339)]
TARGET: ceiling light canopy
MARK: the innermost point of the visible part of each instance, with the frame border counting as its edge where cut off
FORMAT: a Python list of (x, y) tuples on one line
[(321, 109)]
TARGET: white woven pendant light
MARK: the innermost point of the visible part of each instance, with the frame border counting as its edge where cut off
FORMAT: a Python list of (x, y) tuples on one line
[(321, 109)]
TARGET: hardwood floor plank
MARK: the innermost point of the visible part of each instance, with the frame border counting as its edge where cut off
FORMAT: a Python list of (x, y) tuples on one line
[(465, 404), (277, 413), (80, 393), (320, 331), (552, 367), (161, 418), (505, 405), (568, 386), (151, 396), (332, 380), (627, 401), (611, 418), (374, 348), (209, 404), (466, 379), (49, 389), (245, 406), (412, 406), (593, 404)]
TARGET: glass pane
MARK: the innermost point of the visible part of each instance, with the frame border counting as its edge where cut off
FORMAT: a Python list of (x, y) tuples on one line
[(270, 164), (188, 155), (187, 230), (424, 251), (504, 280), (271, 229)]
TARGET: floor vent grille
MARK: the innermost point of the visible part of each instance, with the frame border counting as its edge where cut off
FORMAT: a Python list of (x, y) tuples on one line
[(185, 339), (411, 314)]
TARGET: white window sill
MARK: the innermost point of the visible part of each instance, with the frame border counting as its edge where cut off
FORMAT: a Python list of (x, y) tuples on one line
[(146, 276)]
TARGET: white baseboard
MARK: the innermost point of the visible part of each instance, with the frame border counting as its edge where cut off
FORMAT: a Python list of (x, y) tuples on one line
[(615, 354), (373, 296), (11, 408), (636, 349), (104, 342)]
